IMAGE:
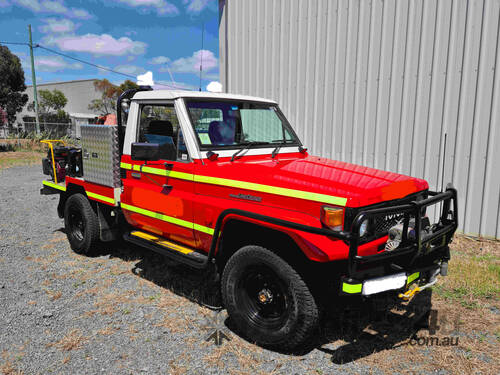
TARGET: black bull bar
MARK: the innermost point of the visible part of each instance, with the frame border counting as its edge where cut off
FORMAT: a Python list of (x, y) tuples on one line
[(414, 256)]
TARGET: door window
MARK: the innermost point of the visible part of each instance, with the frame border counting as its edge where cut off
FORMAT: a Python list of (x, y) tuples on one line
[(159, 124)]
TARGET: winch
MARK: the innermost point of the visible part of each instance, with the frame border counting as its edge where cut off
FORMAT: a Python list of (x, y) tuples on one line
[(396, 232)]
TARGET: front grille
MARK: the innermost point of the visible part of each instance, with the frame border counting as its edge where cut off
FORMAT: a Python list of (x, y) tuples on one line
[(380, 225)]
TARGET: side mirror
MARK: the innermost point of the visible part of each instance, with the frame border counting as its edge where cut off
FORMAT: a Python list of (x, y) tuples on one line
[(153, 151)]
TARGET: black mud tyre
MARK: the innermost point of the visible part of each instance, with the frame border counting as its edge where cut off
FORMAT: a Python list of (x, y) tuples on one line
[(268, 300), (81, 224)]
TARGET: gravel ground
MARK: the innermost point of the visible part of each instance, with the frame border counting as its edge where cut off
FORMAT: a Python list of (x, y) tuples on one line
[(128, 311)]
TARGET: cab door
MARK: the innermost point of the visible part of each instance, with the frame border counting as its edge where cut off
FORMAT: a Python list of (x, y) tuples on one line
[(158, 195)]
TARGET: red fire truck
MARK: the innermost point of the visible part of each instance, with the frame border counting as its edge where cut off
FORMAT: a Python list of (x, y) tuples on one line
[(222, 181)]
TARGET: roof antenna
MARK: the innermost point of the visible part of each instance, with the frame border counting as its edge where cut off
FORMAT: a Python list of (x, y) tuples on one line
[(201, 52)]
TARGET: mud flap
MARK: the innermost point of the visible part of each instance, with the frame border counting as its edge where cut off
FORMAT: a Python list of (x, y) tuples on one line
[(108, 230)]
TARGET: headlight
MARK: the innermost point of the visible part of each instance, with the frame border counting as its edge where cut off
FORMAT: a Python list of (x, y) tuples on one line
[(332, 217), (363, 228)]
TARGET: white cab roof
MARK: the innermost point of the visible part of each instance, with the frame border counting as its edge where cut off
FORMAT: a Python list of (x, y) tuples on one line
[(174, 94)]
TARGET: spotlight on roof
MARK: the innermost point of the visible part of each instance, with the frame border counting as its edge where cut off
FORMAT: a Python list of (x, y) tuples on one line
[(145, 79), (214, 86)]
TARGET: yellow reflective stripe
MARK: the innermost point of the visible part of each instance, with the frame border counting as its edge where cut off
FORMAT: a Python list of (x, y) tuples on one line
[(168, 219), (203, 229), (323, 198), (125, 165), (412, 277), (53, 185), (101, 197), (351, 288), (273, 190), (157, 171), (159, 216)]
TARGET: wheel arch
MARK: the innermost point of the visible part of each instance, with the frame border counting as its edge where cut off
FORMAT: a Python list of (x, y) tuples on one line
[(108, 230), (238, 232), (71, 189)]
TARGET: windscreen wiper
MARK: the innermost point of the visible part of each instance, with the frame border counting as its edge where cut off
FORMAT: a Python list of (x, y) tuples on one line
[(282, 142), (246, 146)]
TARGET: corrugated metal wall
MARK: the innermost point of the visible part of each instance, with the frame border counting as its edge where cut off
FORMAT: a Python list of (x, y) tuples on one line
[(380, 83)]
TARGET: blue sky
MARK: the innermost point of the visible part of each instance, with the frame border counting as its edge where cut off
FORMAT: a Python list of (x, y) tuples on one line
[(131, 36)]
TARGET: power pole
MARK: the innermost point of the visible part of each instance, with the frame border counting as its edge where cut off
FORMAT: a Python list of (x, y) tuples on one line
[(33, 78)]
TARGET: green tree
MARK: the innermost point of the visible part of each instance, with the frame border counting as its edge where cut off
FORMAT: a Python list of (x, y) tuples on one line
[(106, 104), (109, 95), (51, 106), (128, 84), (12, 86)]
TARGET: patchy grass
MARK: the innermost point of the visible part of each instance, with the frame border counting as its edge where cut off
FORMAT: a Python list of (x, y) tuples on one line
[(109, 330), (73, 340), (467, 305), (468, 295), (9, 369), (19, 158), (53, 294), (474, 272)]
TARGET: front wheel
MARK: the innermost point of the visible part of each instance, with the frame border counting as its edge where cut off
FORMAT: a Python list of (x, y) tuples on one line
[(81, 224), (267, 299)]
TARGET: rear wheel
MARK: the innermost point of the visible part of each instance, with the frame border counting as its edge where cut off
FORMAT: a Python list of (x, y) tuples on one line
[(81, 223), (267, 299)]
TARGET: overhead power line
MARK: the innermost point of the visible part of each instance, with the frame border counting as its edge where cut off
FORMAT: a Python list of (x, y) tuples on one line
[(17, 43), (85, 62), (99, 66), (88, 63)]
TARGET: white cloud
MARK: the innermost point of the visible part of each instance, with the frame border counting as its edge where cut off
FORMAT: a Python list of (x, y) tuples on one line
[(54, 6), (79, 13), (214, 86), (159, 60), (162, 7), (103, 44), (130, 69), (196, 6), (192, 64), (33, 5), (54, 25), (49, 64), (55, 64), (49, 6)]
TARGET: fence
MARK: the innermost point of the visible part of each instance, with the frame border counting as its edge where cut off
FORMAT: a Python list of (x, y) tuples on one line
[(48, 129), (51, 129)]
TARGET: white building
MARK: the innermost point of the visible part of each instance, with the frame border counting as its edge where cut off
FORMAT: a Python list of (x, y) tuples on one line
[(79, 93)]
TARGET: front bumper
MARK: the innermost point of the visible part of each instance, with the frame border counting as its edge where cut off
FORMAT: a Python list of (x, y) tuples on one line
[(397, 282), (416, 260)]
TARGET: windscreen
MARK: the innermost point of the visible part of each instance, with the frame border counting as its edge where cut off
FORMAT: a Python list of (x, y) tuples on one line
[(231, 124)]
